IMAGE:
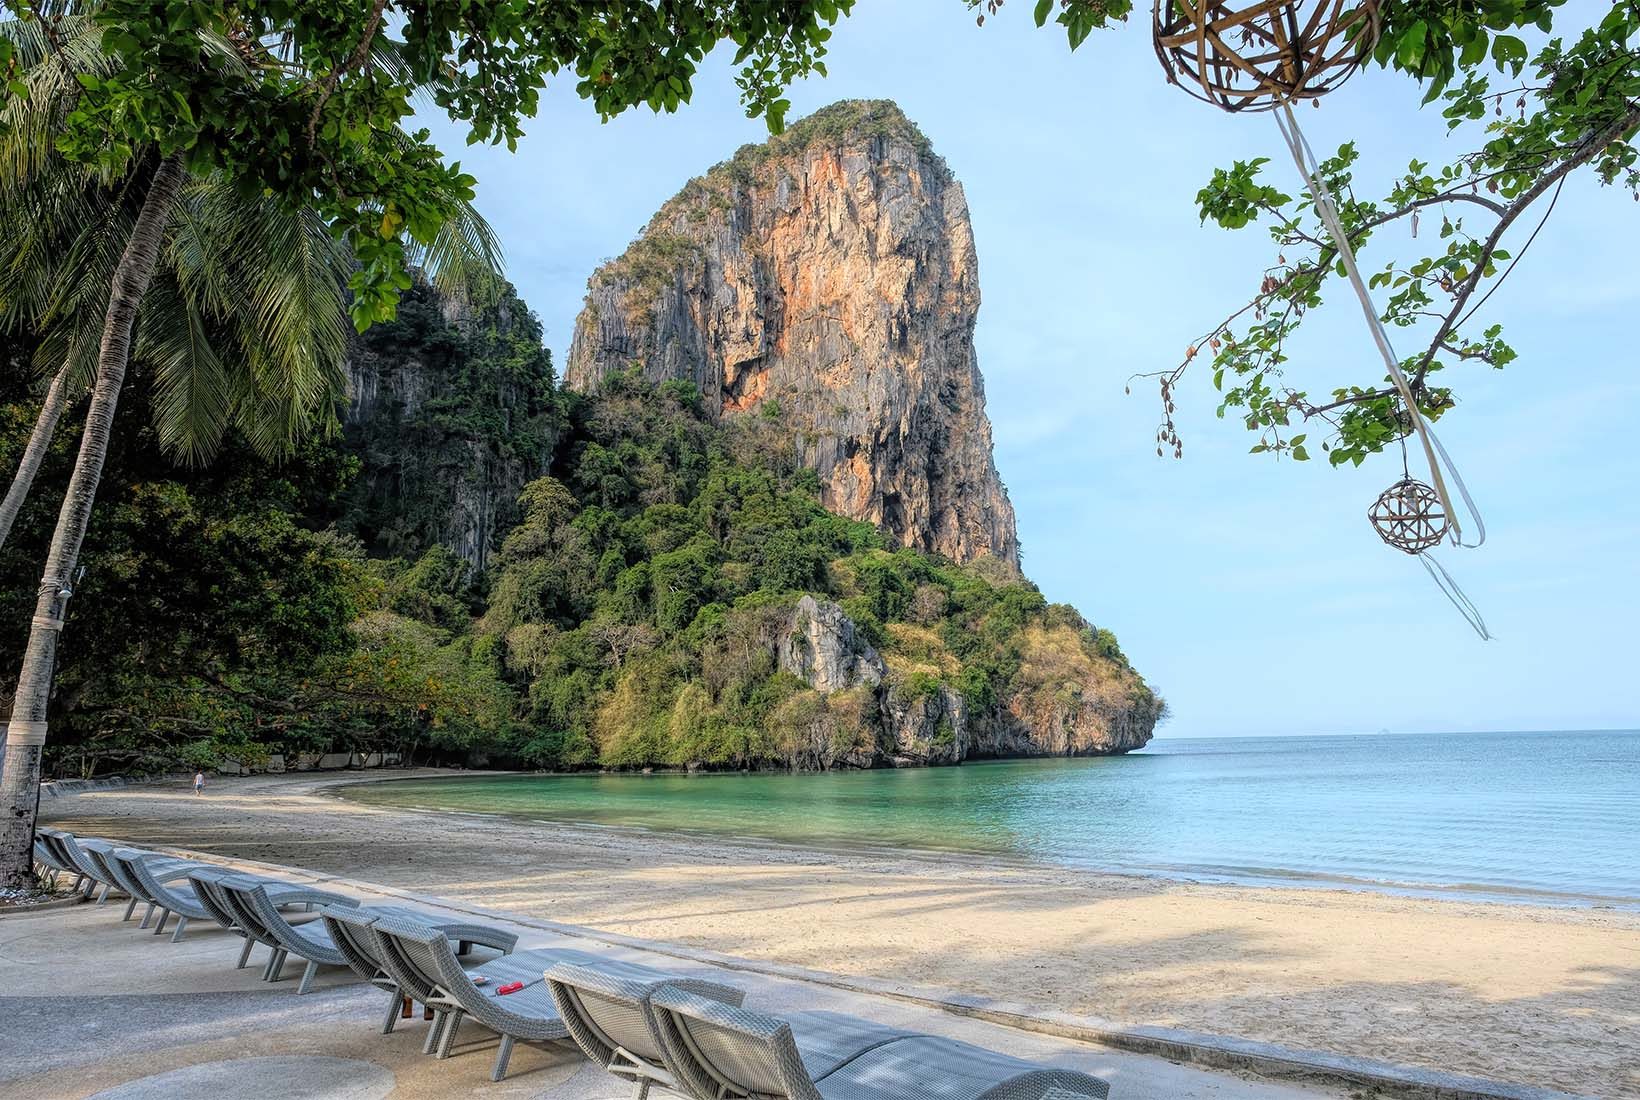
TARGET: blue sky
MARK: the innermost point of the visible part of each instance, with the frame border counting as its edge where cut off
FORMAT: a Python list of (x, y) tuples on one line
[(1252, 594)]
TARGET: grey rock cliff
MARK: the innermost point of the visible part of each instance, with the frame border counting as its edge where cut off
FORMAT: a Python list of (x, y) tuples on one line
[(822, 648), (1064, 703)]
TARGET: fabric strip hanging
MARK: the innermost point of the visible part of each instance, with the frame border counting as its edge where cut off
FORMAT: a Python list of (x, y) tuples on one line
[(1441, 466)]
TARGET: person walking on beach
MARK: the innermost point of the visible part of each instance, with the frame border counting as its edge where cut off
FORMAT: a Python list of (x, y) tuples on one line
[(199, 782)]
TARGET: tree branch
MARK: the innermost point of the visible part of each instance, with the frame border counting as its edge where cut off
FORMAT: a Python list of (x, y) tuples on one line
[(360, 52), (1591, 148)]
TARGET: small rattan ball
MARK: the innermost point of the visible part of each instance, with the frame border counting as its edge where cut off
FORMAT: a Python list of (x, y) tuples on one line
[(1256, 55), (1409, 516)]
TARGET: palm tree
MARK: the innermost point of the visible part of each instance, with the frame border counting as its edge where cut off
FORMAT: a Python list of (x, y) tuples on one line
[(242, 314)]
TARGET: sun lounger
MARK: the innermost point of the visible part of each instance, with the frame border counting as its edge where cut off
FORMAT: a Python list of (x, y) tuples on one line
[(350, 931), (158, 885), (723, 1051), (453, 995), (525, 967), (73, 851), (46, 856), (155, 866), (218, 890), (260, 918), (606, 1008)]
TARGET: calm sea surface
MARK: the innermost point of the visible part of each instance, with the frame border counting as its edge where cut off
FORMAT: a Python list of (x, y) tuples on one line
[(1552, 817)]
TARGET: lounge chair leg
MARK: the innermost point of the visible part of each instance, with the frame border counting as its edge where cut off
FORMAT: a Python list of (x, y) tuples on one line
[(447, 1038), (463, 948), (182, 924), (164, 915), (102, 898), (502, 1056), (395, 1003), (307, 978), (147, 915), (642, 1091), (433, 1033), (274, 971), (245, 953), (129, 909)]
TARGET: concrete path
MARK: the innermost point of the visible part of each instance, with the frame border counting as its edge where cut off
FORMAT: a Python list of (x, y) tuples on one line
[(93, 1007)]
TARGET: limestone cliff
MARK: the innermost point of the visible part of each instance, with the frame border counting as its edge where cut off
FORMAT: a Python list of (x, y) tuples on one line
[(451, 411), (1064, 701), (827, 278)]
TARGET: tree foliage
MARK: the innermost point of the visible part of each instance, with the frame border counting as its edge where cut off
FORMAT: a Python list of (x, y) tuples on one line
[(643, 597), (302, 100), (1537, 90)]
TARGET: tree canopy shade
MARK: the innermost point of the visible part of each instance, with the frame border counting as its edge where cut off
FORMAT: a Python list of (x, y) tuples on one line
[(1541, 90), (305, 108)]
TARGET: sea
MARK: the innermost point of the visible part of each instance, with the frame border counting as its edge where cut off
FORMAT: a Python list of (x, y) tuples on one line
[(1548, 817)]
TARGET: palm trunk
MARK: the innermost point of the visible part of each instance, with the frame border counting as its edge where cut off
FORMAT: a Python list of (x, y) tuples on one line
[(35, 453), (26, 734)]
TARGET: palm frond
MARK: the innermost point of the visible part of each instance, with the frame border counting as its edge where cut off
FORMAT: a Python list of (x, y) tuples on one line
[(192, 391)]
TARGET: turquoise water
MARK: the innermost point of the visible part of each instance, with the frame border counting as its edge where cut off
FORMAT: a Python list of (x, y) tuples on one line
[(1532, 816)]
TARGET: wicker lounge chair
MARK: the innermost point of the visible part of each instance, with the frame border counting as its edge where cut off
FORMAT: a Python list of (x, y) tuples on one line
[(75, 851), (258, 915), (158, 886), (156, 867), (218, 890), (453, 995), (53, 862), (606, 1008), (351, 932), (721, 1052)]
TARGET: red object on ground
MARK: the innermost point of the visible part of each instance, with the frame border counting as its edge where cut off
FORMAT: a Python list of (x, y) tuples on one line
[(510, 987)]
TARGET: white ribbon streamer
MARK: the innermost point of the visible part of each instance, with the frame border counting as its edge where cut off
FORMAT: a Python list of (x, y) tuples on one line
[(1310, 168), (1449, 588), (1436, 454)]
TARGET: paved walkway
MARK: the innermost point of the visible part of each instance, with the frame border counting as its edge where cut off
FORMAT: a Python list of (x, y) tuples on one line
[(94, 1007)]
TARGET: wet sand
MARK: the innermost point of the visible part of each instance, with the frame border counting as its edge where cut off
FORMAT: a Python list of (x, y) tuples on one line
[(1522, 993)]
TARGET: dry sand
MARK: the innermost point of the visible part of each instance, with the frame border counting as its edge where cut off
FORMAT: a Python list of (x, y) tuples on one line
[(1528, 994)]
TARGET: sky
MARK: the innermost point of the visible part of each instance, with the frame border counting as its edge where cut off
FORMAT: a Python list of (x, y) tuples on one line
[(1252, 594)]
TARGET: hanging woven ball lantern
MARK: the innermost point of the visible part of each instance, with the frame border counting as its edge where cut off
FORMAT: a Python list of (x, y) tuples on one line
[(1256, 55), (1409, 516)]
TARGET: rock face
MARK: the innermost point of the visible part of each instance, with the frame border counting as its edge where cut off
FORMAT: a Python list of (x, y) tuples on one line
[(821, 648), (451, 413), (827, 279), (1066, 703)]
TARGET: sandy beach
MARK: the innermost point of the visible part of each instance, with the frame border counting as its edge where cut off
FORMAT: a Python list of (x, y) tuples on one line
[(1529, 994)]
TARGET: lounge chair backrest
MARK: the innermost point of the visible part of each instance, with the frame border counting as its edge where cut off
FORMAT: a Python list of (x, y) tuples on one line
[(606, 1007), (48, 853), (422, 954), (235, 892), (350, 930), (208, 887), (721, 1050), (69, 845)]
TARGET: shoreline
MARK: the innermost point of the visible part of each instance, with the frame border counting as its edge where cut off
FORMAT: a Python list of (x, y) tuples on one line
[(1542, 995), (1249, 878)]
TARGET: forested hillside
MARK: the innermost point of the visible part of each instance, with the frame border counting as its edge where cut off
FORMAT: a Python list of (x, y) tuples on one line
[(670, 593)]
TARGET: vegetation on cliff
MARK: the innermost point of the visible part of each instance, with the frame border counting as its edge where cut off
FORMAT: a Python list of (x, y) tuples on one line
[(451, 415), (633, 616), (643, 600)]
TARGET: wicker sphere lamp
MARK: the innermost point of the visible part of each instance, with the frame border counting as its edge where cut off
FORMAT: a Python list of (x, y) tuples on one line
[(1259, 54), (1409, 516)]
